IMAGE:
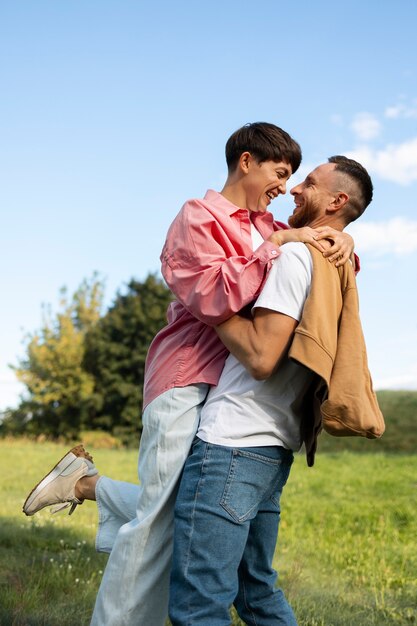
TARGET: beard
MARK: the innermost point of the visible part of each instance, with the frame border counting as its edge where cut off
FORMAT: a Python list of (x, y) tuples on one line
[(305, 215)]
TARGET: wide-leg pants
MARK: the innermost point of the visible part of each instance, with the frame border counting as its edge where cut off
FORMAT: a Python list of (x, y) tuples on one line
[(135, 585)]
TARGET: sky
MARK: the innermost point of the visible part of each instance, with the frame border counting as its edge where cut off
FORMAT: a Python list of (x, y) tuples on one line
[(114, 112)]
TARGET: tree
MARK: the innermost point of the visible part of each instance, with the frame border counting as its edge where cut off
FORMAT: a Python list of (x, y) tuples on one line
[(84, 371), (59, 388), (115, 353)]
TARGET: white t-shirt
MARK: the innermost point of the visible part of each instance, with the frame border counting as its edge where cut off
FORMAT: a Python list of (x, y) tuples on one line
[(243, 412), (257, 238)]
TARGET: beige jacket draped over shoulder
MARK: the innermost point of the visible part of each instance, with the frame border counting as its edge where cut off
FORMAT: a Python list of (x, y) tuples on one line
[(330, 342)]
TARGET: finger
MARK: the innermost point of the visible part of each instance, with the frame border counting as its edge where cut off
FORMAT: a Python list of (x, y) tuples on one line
[(344, 258), (336, 258), (317, 245), (324, 235), (335, 249)]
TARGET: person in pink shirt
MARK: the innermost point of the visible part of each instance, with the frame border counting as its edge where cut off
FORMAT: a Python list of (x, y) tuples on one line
[(215, 259)]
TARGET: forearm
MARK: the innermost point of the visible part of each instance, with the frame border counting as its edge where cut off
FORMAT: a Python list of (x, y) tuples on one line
[(259, 344)]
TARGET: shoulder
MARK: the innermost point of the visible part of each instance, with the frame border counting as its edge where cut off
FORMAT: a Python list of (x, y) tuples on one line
[(296, 252), (212, 204), (288, 282), (192, 203), (193, 213), (293, 266)]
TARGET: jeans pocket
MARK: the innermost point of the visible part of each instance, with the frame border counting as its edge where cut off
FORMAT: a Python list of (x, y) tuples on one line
[(252, 478), (280, 484)]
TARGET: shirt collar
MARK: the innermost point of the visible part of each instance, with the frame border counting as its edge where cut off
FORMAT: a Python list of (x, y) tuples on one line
[(220, 202)]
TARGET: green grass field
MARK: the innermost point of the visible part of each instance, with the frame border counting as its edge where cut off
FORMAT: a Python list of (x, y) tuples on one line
[(346, 554)]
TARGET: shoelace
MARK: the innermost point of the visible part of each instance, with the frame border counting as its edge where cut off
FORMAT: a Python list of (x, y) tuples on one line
[(65, 505)]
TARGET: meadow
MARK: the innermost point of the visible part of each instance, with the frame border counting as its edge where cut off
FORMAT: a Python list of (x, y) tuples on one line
[(346, 553)]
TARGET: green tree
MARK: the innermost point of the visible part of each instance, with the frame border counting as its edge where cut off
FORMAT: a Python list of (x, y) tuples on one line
[(59, 389), (115, 353)]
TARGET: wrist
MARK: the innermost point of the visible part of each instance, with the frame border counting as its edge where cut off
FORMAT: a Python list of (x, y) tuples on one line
[(277, 238)]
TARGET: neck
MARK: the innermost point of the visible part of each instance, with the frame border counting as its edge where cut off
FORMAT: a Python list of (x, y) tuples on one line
[(233, 192), (328, 220)]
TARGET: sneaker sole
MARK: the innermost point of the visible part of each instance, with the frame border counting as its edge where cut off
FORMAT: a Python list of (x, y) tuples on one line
[(60, 467)]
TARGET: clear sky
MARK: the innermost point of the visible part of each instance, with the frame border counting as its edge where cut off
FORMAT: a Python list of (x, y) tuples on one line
[(114, 112)]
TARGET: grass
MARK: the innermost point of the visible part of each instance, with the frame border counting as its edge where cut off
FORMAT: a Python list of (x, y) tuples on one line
[(49, 569), (346, 555), (349, 540)]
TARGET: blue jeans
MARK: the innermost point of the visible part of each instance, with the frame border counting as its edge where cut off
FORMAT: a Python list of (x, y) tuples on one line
[(226, 525)]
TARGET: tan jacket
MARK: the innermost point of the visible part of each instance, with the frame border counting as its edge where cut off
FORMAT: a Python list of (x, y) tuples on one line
[(329, 341)]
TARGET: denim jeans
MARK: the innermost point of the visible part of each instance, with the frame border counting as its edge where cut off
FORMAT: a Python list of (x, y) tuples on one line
[(135, 585), (226, 525)]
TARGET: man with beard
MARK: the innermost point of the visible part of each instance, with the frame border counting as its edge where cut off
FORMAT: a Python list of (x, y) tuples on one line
[(227, 510)]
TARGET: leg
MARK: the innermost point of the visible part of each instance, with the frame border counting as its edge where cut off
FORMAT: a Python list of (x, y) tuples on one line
[(116, 505), (75, 479), (203, 577), (219, 497), (259, 602), (140, 561)]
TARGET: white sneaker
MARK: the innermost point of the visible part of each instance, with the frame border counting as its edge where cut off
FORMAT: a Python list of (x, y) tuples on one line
[(58, 486)]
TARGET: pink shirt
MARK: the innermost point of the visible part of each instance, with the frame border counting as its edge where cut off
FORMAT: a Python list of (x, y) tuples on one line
[(209, 264)]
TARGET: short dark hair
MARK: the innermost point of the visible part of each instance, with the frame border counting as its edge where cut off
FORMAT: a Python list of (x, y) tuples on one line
[(361, 193), (266, 142)]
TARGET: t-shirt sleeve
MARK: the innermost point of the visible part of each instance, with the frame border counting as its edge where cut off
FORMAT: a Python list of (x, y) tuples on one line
[(288, 283)]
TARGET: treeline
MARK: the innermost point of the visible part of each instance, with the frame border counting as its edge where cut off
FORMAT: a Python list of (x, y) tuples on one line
[(83, 369)]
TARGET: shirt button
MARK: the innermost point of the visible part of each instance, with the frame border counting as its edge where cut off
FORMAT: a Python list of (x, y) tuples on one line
[(273, 252)]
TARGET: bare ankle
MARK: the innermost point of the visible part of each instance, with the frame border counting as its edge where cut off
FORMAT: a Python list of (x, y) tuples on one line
[(85, 488)]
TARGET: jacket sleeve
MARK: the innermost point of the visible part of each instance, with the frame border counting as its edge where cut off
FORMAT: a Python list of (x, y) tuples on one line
[(196, 265)]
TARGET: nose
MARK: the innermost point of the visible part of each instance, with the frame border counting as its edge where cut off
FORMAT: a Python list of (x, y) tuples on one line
[(282, 187), (295, 190)]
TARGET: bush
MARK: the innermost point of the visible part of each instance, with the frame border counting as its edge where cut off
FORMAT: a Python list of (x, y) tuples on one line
[(99, 439)]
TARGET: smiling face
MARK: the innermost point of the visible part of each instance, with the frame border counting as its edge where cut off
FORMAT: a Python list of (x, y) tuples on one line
[(263, 182), (313, 196)]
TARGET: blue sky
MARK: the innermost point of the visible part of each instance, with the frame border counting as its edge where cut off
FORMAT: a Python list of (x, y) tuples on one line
[(113, 113)]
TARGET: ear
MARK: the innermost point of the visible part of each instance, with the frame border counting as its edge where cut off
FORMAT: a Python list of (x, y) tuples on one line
[(245, 161), (340, 199)]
